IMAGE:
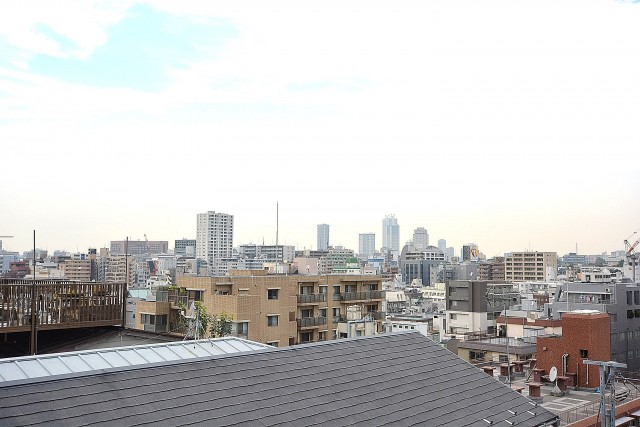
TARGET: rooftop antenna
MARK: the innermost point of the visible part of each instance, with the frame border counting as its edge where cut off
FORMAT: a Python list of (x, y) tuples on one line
[(277, 214)]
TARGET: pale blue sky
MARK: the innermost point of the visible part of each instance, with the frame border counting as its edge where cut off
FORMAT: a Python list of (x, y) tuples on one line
[(513, 125)]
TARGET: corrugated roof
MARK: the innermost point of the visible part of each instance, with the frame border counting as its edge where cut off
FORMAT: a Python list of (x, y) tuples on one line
[(23, 368)]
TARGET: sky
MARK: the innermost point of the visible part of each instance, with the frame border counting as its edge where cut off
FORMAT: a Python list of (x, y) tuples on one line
[(510, 124)]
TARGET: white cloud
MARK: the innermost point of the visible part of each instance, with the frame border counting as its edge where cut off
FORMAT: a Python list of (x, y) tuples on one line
[(24, 23)]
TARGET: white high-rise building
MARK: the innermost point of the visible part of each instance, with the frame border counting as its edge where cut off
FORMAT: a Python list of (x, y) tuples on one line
[(214, 240), (323, 237), (420, 239), (367, 245), (391, 233)]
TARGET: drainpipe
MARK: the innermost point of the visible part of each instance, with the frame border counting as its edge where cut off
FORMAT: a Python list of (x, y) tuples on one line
[(564, 363)]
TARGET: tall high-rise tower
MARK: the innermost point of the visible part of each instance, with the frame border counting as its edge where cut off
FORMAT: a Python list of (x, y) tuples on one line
[(367, 245), (391, 233), (214, 239), (323, 237), (420, 239)]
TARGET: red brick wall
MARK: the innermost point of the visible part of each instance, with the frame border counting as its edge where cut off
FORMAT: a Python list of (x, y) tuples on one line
[(580, 331)]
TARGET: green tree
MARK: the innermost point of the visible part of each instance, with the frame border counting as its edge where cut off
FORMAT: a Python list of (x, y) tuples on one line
[(204, 319), (221, 324)]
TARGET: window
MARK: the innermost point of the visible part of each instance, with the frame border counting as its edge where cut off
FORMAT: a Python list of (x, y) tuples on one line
[(336, 289), (584, 354), (323, 289), (306, 336), (636, 297), (322, 336), (272, 343), (629, 314), (307, 313), (242, 328), (453, 316), (336, 311), (272, 293), (323, 313), (272, 320), (629, 298), (373, 287)]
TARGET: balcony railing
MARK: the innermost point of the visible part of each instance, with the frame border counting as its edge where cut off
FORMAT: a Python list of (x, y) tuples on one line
[(311, 298), (308, 322), (361, 296)]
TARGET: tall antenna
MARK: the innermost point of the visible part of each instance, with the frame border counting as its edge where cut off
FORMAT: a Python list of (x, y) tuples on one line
[(277, 225)]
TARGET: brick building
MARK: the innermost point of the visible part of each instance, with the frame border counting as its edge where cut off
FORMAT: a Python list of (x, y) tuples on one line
[(585, 335)]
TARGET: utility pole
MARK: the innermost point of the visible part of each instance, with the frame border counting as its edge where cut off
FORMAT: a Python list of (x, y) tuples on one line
[(608, 416), (34, 319)]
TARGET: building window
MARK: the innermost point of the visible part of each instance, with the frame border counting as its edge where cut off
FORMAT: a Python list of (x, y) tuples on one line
[(272, 343), (322, 336), (584, 354), (336, 289), (323, 289), (272, 293), (629, 314), (323, 313), (629, 298), (242, 328), (307, 313), (306, 336), (453, 316), (272, 320)]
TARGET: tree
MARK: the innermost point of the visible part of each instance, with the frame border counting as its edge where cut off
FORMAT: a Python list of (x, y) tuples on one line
[(221, 324), (203, 319)]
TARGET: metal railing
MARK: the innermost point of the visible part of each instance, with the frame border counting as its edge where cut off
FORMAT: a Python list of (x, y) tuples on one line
[(311, 298), (361, 296), (307, 322)]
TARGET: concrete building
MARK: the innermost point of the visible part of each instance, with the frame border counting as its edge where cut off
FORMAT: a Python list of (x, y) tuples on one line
[(77, 269), (185, 247), (391, 234), (420, 238), (214, 239), (531, 266), (493, 269), (139, 247), (323, 237), (119, 269), (473, 306), (267, 253), (276, 309), (621, 301), (420, 264), (469, 252), (336, 257), (366, 245)]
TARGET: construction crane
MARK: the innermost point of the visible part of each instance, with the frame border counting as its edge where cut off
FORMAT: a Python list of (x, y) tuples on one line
[(631, 254)]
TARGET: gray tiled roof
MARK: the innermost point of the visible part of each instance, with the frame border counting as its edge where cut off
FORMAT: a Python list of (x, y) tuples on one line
[(398, 379)]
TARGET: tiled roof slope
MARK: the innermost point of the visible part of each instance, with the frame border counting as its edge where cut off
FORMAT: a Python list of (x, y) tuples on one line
[(399, 379)]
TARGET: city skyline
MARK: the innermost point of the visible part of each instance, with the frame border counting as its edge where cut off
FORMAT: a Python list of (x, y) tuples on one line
[(511, 125)]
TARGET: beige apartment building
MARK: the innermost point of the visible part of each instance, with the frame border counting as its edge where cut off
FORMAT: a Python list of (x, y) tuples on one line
[(279, 310), (531, 266), (76, 269)]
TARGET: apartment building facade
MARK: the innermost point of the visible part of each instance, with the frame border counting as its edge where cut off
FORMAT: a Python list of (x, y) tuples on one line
[(214, 239), (531, 266), (279, 310)]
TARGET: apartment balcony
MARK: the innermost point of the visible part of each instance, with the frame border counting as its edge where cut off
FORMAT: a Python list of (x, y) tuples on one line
[(311, 298), (359, 296), (311, 322)]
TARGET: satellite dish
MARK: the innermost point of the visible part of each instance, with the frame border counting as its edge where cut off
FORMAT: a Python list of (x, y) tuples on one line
[(553, 373)]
